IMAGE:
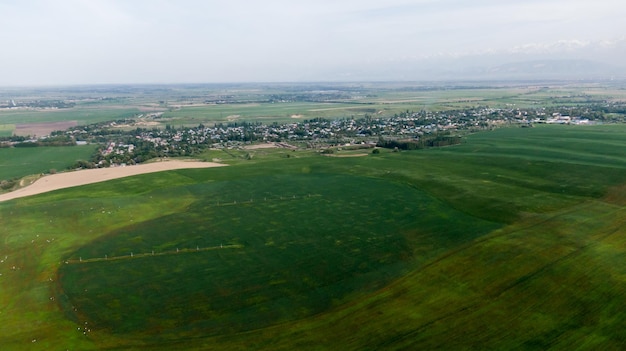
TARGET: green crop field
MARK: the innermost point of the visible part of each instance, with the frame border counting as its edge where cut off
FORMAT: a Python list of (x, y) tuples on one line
[(386, 101), (22, 161), (81, 114), (6, 130), (383, 104), (513, 239), (191, 105)]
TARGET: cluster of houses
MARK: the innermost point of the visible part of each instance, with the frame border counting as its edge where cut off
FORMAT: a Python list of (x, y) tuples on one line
[(557, 118), (113, 148), (369, 129)]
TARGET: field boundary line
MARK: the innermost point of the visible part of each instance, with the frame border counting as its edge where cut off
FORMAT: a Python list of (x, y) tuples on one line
[(152, 254)]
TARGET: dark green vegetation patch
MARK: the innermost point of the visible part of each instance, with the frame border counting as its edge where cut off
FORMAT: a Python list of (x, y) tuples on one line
[(259, 251)]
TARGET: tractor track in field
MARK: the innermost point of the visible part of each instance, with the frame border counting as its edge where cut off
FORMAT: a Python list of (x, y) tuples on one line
[(152, 254)]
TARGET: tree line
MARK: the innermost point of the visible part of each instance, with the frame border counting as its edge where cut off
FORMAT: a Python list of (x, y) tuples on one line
[(422, 143)]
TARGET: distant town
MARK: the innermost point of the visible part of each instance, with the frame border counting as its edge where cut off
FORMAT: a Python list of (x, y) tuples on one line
[(148, 136)]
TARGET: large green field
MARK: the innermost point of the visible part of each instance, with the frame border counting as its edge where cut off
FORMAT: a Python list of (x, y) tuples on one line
[(195, 104), (82, 114), (18, 162), (273, 112), (514, 239), (385, 101)]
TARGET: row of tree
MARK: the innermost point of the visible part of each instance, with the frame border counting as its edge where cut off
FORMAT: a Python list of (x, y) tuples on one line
[(422, 143)]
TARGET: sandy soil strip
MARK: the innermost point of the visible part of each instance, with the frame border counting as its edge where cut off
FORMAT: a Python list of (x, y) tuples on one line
[(88, 176), (346, 155), (261, 146)]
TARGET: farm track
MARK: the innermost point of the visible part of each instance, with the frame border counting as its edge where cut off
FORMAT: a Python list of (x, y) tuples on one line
[(90, 176), (265, 200), (153, 254), (198, 249)]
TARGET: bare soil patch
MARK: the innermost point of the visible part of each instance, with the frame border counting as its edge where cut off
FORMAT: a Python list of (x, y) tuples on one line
[(346, 155), (616, 195), (89, 176), (138, 123), (261, 146), (334, 108), (42, 129), (147, 123), (151, 108), (402, 101)]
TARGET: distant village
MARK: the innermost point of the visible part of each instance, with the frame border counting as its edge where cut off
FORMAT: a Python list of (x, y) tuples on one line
[(36, 104), (138, 139)]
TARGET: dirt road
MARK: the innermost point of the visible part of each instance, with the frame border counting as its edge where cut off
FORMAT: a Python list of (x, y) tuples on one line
[(88, 176)]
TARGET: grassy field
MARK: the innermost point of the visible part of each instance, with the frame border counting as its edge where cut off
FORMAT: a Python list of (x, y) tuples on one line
[(22, 161), (6, 129), (275, 273), (512, 240), (81, 114), (186, 105), (284, 112), (384, 103)]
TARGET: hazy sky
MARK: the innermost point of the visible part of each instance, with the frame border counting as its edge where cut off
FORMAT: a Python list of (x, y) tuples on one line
[(158, 41)]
